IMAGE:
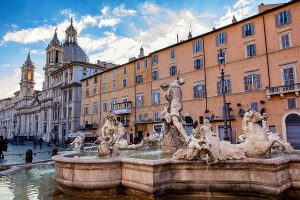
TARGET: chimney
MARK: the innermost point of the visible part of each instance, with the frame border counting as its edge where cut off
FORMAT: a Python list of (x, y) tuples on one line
[(177, 38), (141, 52), (263, 7)]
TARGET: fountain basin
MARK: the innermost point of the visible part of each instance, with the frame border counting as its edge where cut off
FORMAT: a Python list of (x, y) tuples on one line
[(253, 175)]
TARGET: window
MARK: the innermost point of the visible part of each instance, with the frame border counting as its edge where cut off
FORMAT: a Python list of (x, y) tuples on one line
[(86, 109), (70, 112), (145, 63), (154, 60), (95, 80), (104, 88), (94, 91), (87, 83), (289, 76), (173, 70), (124, 70), (291, 103), (139, 79), (70, 95), (113, 85), (252, 82), (114, 74), (139, 100), (154, 75), (71, 75), (156, 116), (221, 56), (124, 82), (104, 106), (197, 46), (138, 66), (251, 50), (248, 29), (95, 108), (221, 38), (254, 106), (87, 93), (283, 18), (285, 40), (199, 90), (272, 129), (198, 63), (227, 87), (155, 97), (172, 53)]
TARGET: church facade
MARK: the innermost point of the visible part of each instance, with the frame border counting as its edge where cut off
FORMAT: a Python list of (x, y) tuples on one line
[(52, 113)]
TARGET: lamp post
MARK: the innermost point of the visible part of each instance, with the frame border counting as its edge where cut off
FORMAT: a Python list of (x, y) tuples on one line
[(221, 64)]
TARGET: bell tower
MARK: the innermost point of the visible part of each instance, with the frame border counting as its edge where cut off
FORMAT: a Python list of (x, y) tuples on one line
[(54, 53), (27, 78)]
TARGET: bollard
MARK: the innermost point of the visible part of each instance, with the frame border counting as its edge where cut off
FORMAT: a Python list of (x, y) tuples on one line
[(28, 155), (54, 151)]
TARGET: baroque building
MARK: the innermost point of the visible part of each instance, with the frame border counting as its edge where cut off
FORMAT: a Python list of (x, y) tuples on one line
[(261, 56), (54, 112)]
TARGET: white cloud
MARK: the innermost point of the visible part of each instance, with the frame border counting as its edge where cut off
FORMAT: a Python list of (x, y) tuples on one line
[(149, 8), (109, 22), (5, 65), (105, 10), (67, 13), (121, 11), (9, 83), (14, 26)]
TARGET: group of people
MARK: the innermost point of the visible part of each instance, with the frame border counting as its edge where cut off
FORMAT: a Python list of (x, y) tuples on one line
[(3, 146)]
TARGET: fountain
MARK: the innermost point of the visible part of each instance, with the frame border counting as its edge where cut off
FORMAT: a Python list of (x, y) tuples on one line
[(246, 167)]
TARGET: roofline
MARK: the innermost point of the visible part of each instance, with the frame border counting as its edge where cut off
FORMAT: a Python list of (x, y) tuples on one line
[(66, 65), (201, 35)]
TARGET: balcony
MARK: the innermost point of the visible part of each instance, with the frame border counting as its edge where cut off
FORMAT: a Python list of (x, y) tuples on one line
[(121, 108), (143, 120), (89, 126), (219, 119), (281, 90)]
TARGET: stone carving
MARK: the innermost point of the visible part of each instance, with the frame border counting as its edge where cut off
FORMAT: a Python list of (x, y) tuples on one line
[(111, 139), (255, 140), (174, 135), (153, 140), (78, 142), (205, 144)]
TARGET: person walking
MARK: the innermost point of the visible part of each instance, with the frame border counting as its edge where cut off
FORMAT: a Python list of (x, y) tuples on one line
[(1, 147), (34, 143), (41, 142)]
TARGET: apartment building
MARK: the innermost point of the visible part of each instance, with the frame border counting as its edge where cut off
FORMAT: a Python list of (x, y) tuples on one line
[(261, 57)]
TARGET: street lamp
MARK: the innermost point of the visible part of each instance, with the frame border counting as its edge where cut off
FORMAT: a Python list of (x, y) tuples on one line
[(221, 64)]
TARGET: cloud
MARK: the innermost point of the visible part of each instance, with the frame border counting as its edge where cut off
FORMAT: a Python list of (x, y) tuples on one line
[(109, 22), (149, 8), (121, 11), (9, 83), (105, 10), (5, 65), (14, 26), (67, 13)]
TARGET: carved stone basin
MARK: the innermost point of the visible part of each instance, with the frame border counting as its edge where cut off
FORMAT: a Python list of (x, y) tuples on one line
[(252, 175)]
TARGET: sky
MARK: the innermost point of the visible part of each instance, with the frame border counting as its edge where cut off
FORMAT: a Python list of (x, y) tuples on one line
[(108, 30)]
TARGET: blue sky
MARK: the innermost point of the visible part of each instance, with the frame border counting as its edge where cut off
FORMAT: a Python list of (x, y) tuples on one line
[(108, 30)]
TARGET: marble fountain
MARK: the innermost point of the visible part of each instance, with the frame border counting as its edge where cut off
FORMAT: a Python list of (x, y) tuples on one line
[(182, 163)]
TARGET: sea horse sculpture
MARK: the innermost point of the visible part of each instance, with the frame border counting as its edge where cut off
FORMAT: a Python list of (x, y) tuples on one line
[(78, 142), (174, 135), (256, 141)]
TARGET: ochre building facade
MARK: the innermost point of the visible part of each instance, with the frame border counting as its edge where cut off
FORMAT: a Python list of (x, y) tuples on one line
[(261, 56)]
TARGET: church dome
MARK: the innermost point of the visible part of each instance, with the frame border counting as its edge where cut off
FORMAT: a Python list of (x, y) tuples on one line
[(73, 52)]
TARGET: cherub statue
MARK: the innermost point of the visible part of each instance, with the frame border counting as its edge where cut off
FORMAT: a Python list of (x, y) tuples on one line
[(78, 142)]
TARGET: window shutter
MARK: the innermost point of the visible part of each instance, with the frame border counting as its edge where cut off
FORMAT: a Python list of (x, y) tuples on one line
[(277, 20), (158, 98), (258, 81), (217, 40), (195, 93), (254, 50), (243, 31), (253, 28), (194, 44), (225, 37), (219, 87), (246, 83), (203, 91), (195, 64), (288, 13), (228, 86)]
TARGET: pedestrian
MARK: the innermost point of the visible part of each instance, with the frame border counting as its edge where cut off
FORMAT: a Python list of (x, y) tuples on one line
[(41, 142), (5, 143), (34, 143), (1, 147)]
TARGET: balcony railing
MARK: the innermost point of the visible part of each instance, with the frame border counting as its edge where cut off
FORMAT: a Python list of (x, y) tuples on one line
[(281, 90), (89, 126), (143, 120), (219, 119), (121, 108)]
